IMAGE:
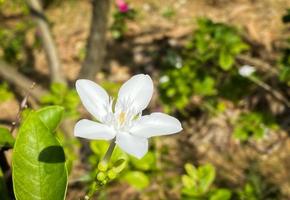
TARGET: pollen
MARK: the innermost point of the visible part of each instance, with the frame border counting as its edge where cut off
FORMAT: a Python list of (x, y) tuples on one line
[(122, 118)]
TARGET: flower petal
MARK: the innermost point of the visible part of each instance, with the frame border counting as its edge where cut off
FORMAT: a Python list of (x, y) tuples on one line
[(93, 130), (94, 98), (156, 124), (136, 92), (133, 145)]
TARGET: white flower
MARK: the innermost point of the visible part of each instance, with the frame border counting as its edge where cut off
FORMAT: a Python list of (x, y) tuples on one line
[(124, 122), (246, 70)]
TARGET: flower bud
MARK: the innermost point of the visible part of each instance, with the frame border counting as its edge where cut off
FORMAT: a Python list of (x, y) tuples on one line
[(112, 174), (101, 176)]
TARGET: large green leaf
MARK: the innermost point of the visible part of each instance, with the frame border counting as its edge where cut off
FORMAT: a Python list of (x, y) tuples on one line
[(38, 162), (6, 139)]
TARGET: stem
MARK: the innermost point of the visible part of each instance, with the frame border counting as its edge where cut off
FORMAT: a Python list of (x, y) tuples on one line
[(105, 159), (276, 94), (109, 152)]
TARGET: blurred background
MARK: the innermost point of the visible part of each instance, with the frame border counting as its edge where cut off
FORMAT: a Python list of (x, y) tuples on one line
[(222, 67)]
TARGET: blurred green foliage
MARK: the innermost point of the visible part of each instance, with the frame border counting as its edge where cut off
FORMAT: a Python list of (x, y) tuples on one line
[(61, 95), (5, 93), (119, 26), (13, 43), (203, 68), (253, 125), (6, 138), (197, 184), (257, 187)]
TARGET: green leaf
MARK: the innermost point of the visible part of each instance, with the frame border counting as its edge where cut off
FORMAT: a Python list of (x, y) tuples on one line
[(221, 194), (205, 87), (3, 189), (226, 60), (206, 175), (137, 179), (38, 162), (148, 162), (188, 182), (191, 171), (51, 116), (6, 139)]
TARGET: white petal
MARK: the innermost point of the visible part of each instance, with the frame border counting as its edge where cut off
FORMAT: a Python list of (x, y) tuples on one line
[(93, 130), (136, 92), (94, 98), (156, 124), (133, 145)]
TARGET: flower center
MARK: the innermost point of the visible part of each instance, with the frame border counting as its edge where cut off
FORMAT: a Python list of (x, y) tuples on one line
[(122, 118)]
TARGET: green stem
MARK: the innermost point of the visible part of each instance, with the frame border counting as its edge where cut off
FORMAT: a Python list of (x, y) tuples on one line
[(105, 159), (109, 152)]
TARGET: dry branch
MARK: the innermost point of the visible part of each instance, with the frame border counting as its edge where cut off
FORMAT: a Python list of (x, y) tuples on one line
[(260, 64), (47, 41), (10, 74)]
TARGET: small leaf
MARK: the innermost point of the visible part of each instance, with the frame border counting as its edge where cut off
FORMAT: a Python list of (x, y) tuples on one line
[(206, 175), (6, 139), (226, 60), (137, 179), (221, 194), (38, 161), (191, 171), (188, 182)]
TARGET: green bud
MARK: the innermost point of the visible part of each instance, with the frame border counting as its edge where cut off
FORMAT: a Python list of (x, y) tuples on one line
[(112, 174), (101, 176), (104, 182), (119, 165), (103, 166)]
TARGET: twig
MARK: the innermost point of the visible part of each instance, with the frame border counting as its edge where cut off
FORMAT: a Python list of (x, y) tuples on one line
[(263, 66), (10, 74), (47, 41), (22, 106), (275, 93), (269, 148)]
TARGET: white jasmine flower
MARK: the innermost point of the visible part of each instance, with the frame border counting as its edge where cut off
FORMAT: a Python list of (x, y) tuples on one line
[(246, 70), (124, 122)]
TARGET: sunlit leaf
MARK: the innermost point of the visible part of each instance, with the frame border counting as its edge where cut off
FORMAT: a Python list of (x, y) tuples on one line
[(221, 194), (38, 162)]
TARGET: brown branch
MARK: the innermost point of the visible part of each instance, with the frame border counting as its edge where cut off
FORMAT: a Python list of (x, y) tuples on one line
[(96, 43), (47, 41), (263, 66), (10, 74)]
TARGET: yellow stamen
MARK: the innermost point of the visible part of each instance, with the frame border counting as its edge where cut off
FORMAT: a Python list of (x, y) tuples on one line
[(122, 117)]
